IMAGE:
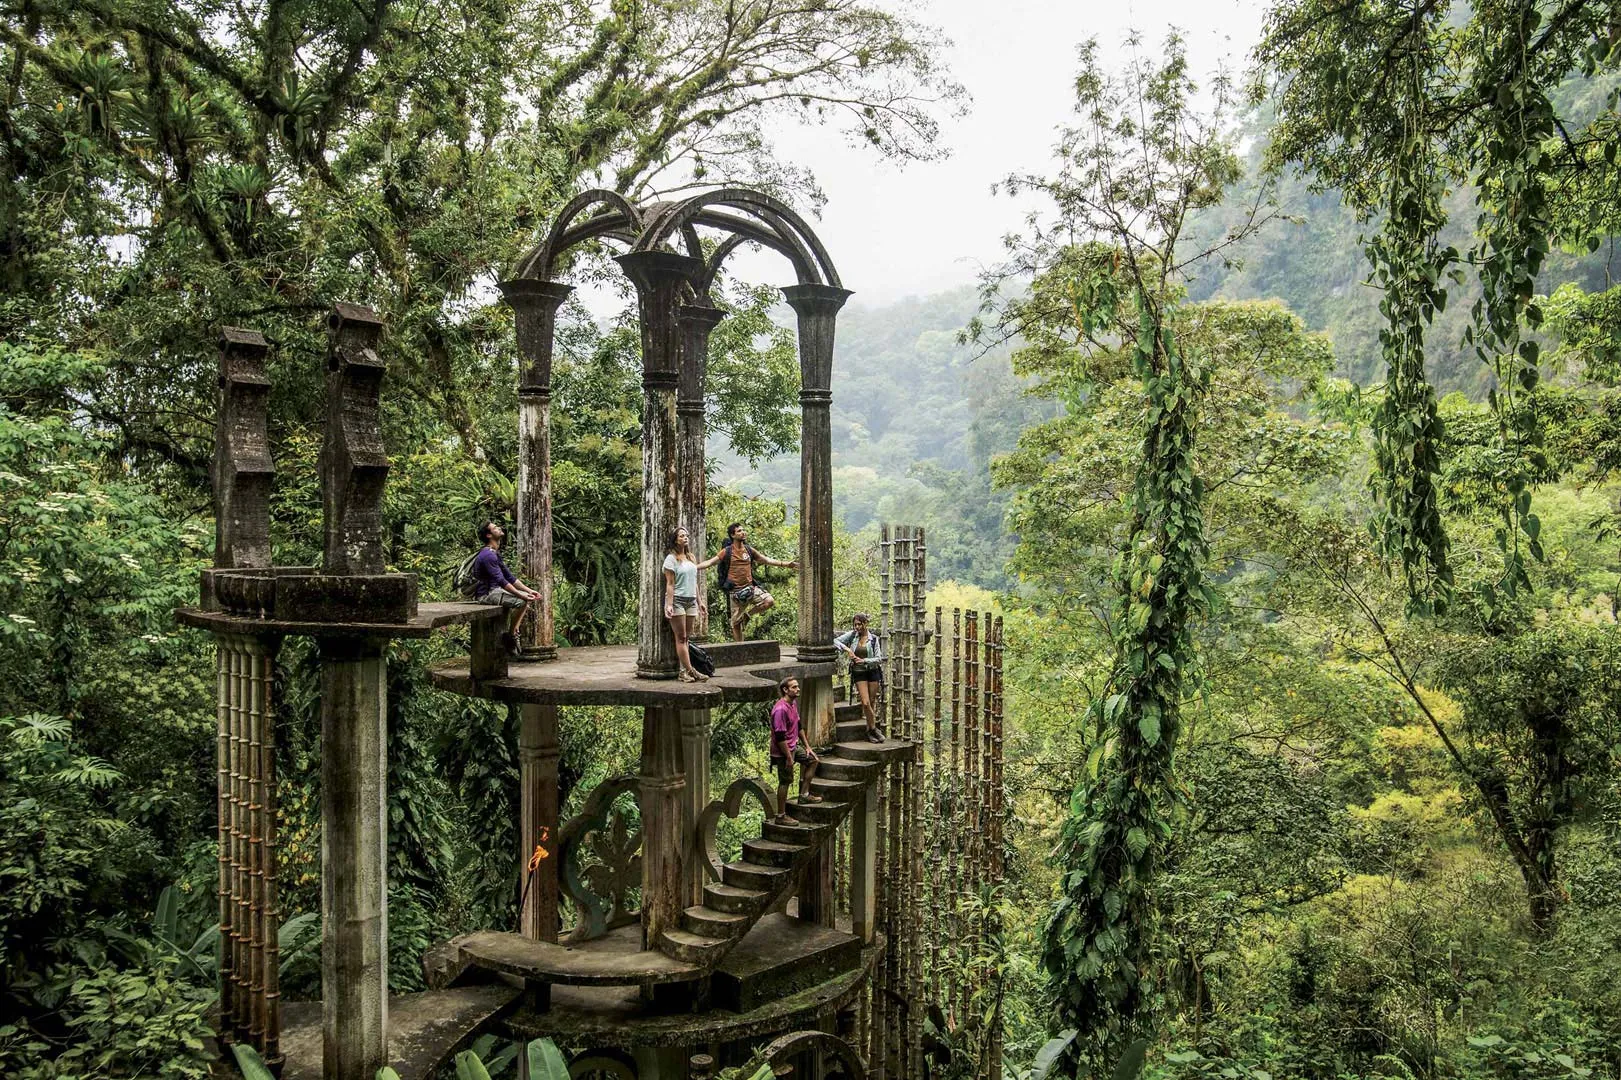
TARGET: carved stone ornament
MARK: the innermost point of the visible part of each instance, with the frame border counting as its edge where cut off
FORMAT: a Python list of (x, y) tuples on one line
[(731, 804), (602, 862)]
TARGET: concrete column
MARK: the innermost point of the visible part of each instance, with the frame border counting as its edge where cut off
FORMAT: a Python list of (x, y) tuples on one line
[(243, 471), (538, 752), (660, 278), (534, 306), (864, 863), (817, 307), (663, 791), (354, 856), (816, 704), (696, 324), (695, 727), (354, 466)]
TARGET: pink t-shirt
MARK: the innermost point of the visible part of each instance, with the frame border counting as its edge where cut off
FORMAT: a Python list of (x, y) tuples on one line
[(785, 724)]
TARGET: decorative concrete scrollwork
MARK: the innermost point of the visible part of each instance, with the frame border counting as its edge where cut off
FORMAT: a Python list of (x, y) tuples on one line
[(825, 1046), (602, 862), (602, 1064), (731, 804)]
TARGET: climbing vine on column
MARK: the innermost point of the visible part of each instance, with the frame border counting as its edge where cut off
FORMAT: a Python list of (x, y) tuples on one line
[(1099, 942)]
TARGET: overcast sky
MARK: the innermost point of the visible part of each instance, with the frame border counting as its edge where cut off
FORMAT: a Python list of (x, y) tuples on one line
[(896, 232)]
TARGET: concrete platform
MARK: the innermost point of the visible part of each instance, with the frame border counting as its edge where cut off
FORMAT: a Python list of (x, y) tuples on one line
[(616, 959), (429, 617), (606, 675), (618, 1016), (779, 958), (424, 1030)]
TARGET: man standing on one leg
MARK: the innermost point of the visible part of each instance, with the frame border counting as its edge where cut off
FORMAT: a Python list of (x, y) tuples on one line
[(735, 564), (493, 583), (786, 748)]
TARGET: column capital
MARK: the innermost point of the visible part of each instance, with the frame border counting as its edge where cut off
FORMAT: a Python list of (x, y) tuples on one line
[(651, 269), (812, 299), (701, 315), (523, 293), (534, 305)]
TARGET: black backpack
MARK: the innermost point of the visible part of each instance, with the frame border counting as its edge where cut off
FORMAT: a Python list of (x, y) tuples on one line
[(702, 662), (461, 579)]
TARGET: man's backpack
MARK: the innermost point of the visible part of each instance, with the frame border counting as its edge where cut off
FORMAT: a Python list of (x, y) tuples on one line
[(462, 582), (702, 662)]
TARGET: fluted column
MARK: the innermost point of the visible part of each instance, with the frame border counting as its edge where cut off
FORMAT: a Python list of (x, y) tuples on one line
[(817, 307), (538, 753), (660, 278), (534, 306), (696, 322), (695, 729)]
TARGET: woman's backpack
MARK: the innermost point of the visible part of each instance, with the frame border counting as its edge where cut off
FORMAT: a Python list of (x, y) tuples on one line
[(702, 662)]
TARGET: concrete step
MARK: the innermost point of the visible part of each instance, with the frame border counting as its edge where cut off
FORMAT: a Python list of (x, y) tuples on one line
[(847, 710), (843, 768), (772, 852), (838, 791), (707, 922), (850, 730), (748, 875), (806, 833), (822, 813), (692, 948), (733, 900), (860, 749)]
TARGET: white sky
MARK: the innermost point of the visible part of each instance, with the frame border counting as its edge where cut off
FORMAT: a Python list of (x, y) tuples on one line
[(902, 231)]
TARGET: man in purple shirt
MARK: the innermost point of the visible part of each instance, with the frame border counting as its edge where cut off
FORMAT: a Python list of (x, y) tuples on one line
[(493, 583), (787, 748)]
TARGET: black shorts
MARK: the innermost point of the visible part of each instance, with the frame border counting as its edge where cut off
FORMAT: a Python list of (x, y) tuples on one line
[(872, 674), (785, 768)]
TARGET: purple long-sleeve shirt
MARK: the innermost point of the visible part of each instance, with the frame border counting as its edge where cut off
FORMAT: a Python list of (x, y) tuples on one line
[(489, 572)]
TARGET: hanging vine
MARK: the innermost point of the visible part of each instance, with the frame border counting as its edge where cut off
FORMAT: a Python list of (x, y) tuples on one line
[(1410, 265), (1513, 226), (1099, 942)]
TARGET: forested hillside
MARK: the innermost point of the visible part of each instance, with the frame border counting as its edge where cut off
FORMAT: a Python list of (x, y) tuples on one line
[(917, 417)]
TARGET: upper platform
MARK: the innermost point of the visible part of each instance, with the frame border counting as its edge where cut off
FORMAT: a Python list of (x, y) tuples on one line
[(606, 675)]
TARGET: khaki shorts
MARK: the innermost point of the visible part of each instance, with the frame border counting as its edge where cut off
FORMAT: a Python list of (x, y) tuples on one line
[(685, 605)]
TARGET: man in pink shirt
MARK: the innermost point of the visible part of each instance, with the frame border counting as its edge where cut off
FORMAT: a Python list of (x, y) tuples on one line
[(787, 748)]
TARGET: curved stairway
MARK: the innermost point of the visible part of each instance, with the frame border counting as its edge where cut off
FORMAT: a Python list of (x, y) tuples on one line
[(773, 862)]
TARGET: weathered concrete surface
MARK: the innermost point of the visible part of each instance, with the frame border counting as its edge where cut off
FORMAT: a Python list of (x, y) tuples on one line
[(425, 1030), (606, 675), (817, 307), (660, 278), (354, 465), (538, 753), (780, 957), (534, 306), (662, 797), (243, 471), (354, 857), (615, 960), (619, 1016), (428, 618)]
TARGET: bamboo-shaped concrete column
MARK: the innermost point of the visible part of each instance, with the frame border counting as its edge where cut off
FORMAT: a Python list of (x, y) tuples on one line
[(817, 307), (249, 917), (354, 696), (534, 307), (660, 278), (697, 322)]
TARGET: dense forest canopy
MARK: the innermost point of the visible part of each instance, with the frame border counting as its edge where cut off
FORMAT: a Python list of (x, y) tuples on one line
[(1282, 438)]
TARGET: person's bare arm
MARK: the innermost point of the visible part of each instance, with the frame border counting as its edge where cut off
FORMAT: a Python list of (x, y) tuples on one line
[(669, 593), (789, 563), (523, 590), (707, 563)]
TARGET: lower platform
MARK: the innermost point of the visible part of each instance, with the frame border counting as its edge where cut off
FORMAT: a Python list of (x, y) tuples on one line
[(424, 1030), (620, 1016)]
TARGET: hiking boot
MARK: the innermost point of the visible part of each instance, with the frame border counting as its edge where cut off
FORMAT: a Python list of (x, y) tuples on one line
[(784, 819), (874, 736), (509, 642), (698, 676), (807, 797), (686, 676)]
